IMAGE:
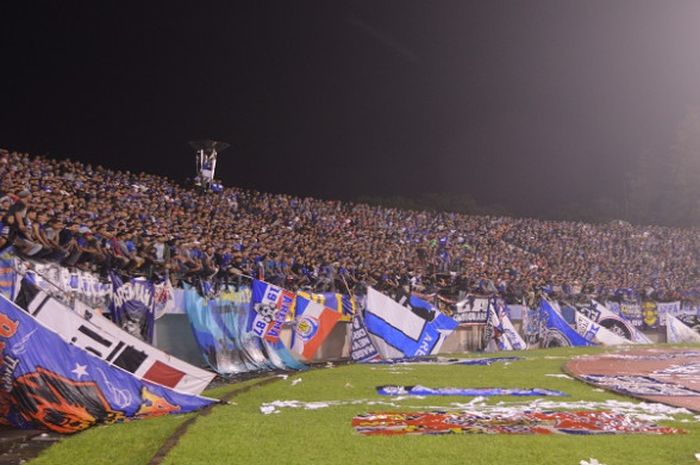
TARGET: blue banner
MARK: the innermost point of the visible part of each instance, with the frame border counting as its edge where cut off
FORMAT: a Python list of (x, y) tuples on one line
[(557, 332), (133, 306), (343, 304), (50, 384), (393, 390), (400, 331), (361, 347), (221, 328), (447, 361)]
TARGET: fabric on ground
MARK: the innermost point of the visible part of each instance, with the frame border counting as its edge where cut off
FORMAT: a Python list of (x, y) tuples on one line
[(396, 390)]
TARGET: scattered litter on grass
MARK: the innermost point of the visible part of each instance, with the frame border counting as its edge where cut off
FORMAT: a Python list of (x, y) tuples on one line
[(283, 376), (649, 355), (697, 457), (349, 386), (639, 385), (418, 390), (599, 390), (296, 381), (275, 406), (647, 411), (590, 461), (446, 361), (525, 422), (330, 365), (558, 375)]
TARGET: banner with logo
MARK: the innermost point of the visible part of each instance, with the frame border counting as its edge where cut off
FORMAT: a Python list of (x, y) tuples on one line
[(632, 312), (399, 331), (668, 308), (650, 315), (557, 333), (617, 324), (87, 329), (343, 304), (133, 306), (87, 287), (221, 328), (313, 324), (214, 329), (678, 333), (269, 309), (361, 346), (47, 383), (595, 333), (472, 310), (500, 334)]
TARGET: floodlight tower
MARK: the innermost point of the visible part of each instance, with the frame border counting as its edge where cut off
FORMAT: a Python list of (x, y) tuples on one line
[(205, 159)]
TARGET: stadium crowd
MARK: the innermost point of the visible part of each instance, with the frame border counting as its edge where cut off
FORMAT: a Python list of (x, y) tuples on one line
[(94, 218)]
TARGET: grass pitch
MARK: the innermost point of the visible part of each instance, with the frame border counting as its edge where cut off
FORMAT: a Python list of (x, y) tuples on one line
[(240, 434)]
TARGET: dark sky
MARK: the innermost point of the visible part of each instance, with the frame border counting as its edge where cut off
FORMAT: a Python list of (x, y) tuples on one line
[(531, 104)]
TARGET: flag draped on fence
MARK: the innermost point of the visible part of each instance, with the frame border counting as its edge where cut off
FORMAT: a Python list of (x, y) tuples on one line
[(87, 329), (618, 324), (678, 333), (214, 326), (237, 334), (270, 307), (472, 310), (500, 334), (341, 303), (361, 346), (313, 324), (51, 384), (557, 332), (595, 333), (133, 306), (399, 331)]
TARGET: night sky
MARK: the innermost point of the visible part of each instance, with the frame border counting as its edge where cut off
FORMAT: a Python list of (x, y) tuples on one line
[(530, 104)]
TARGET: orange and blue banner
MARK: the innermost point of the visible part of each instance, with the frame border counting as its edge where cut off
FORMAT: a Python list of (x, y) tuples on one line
[(47, 383)]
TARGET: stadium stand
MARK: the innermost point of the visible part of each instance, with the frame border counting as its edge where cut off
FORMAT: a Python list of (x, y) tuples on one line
[(98, 219)]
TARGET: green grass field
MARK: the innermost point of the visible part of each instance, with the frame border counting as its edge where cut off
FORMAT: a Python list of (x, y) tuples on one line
[(240, 434)]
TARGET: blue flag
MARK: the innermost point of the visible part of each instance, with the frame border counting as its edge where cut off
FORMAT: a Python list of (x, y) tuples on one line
[(394, 390), (50, 384), (133, 306), (558, 332), (361, 347), (400, 331), (222, 329)]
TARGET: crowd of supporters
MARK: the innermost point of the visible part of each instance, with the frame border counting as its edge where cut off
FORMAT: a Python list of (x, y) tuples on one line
[(97, 219)]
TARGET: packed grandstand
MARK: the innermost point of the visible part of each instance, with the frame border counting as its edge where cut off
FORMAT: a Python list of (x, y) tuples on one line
[(91, 259), (96, 219)]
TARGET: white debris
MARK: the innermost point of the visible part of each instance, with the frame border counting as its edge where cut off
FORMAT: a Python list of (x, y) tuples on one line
[(558, 375), (330, 365), (590, 461), (642, 411), (697, 457), (296, 381), (267, 409), (349, 386), (283, 376)]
